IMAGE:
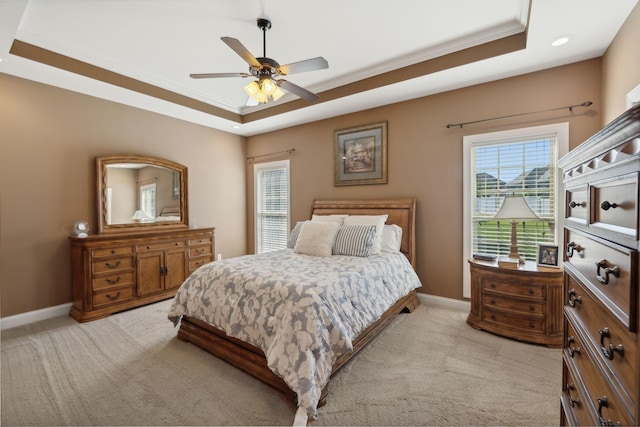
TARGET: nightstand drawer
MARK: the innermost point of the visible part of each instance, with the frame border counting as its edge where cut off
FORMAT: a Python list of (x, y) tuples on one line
[(515, 289), (526, 307), (112, 265), (532, 324), (609, 269)]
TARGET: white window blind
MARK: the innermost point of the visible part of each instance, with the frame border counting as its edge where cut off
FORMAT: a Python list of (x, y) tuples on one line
[(271, 205), (521, 167)]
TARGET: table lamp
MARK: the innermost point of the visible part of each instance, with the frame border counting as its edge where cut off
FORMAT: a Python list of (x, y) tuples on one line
[(516, 209)]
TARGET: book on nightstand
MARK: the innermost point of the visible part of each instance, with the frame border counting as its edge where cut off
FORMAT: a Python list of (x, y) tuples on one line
[(509, 262)]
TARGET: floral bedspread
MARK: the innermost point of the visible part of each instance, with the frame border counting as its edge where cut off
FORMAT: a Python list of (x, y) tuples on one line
[(302, 311)]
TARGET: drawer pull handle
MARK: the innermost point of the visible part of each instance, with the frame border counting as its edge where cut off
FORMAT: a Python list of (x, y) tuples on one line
[(199, 263), (113, 281), (609, 352), (532, 308), (573, 246), (200, 251), (577, 204), (574, 298), (532, 291), (615, 270), (573, 401), (605, 206), (603, 403), (113, 251), (112, 297), (571, 349), (109, 265)]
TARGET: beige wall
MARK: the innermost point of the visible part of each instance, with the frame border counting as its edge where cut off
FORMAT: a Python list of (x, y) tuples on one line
[(48, 143), (621, 67), (425, 157)]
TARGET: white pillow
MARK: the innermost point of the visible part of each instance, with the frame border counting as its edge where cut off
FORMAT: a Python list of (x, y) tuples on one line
[(355, 240), (316, 238), (377, 220), (329, 218), (293, 236), (391, 238)]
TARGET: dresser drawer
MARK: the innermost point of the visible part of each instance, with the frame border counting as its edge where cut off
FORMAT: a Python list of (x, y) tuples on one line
[(523, 306), (531, 324), (576, 209), (196, 251), (160, 246), (110, 252), (111, 265), (521, 290), (112, 296), (609, 269), (619, 368), (575, 399), (101, 282), (614, 205), (194, 264), (201, 241)]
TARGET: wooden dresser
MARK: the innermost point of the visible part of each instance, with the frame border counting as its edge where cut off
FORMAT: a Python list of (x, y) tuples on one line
[(601, 380), (115, 272), (524, 303)]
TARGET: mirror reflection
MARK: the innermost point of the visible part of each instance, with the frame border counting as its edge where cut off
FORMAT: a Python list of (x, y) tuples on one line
[(141, 193)]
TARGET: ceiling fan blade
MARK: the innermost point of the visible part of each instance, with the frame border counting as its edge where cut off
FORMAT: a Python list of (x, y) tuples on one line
[(318, 63), (241, 50), (297, 90), (217, 75)]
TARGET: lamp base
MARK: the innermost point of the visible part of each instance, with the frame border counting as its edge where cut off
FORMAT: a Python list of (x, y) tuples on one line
[(510, 262)]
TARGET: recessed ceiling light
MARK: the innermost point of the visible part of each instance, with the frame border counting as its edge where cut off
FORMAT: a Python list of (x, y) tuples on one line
[(559, 41), (236, 126)]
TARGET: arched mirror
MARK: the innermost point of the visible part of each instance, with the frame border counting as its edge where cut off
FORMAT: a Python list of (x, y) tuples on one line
[(137, 193)]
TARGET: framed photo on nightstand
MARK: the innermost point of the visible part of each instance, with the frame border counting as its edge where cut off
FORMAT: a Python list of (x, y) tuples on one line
[(548, 255)]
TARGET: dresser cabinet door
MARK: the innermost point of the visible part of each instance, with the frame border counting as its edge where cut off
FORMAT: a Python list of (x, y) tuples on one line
[(150, 272)]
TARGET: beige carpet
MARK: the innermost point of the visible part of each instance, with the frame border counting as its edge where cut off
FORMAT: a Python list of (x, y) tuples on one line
[(426, 368)]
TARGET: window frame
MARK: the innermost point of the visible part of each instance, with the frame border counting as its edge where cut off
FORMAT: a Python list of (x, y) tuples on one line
[(561, 132), (257, 169)]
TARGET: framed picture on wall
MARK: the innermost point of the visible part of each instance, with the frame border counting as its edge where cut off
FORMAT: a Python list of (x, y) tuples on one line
[(548, 255), (361, 155)]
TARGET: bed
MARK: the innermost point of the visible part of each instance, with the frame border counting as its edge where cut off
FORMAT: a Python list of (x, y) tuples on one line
[(258, 349)]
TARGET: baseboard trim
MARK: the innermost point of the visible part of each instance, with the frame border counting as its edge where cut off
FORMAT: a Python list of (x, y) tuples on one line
[(435, 300), (63, 310), (34, 316)]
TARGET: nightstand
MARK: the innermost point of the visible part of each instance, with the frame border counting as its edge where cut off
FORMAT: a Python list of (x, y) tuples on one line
[(523, 303)]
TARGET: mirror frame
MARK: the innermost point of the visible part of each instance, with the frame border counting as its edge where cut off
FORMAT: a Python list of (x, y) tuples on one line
[(101, 180)]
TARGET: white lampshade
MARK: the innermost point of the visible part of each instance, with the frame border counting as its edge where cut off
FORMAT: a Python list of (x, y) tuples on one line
[(268, 86), (515, 207), (139, 215), (277, 94), (252, 89)]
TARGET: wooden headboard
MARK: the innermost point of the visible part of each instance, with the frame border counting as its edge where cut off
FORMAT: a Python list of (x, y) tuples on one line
[(402, 212)]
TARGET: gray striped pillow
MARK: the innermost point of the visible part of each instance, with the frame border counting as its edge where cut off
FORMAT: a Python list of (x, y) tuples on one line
[(355, 240), (293, 236)]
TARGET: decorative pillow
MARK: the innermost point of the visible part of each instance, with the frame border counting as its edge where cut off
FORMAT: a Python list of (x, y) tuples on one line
[(355, 240), (377, 220), (329, 218), (293, 236), (316, 238), (391, 238)]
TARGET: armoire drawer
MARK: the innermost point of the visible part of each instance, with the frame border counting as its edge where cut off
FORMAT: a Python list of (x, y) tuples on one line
[(614, 205), (577, 206), (609, 269), (575, 400), (619, 368)]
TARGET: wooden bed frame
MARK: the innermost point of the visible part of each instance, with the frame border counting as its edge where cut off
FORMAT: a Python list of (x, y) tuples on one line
[(252, 360)]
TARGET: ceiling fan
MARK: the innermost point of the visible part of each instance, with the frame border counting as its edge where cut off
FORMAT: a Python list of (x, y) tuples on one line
[(267, 70)]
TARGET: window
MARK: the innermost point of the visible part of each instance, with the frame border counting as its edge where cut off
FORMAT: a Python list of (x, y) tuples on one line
[(148, 199), (271, 205), (515, 162)]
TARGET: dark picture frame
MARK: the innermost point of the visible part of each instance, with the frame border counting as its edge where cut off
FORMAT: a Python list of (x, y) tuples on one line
[(548, 256), (361, 155)]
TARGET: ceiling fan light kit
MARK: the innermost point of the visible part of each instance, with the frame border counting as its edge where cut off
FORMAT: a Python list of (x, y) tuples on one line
[(266, 70)]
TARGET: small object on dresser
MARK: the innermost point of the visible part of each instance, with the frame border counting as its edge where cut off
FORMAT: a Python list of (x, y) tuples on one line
[(484, 257), (81, 229), (505, 262)]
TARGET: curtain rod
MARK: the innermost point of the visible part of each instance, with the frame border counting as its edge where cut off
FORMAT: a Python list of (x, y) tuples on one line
[(570, 107), (290, 150)]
